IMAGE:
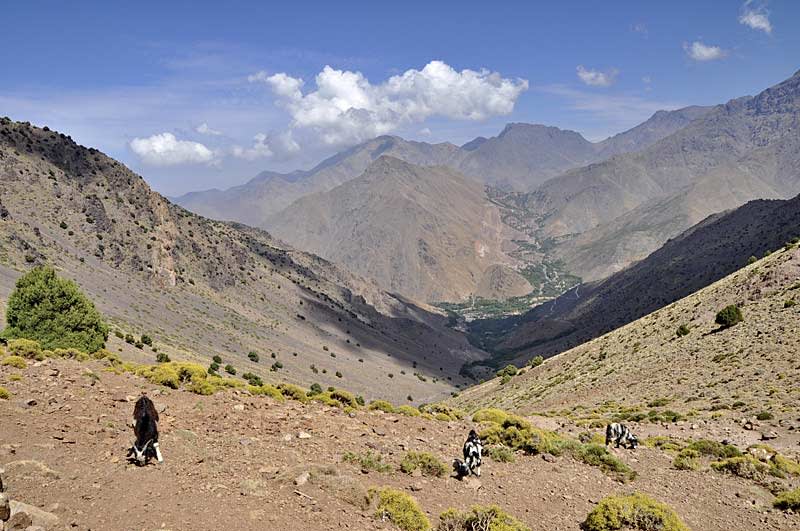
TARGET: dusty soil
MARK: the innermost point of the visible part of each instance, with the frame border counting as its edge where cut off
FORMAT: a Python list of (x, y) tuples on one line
[(231, 461)]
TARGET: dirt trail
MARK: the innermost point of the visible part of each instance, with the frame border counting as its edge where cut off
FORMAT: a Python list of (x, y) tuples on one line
[(232, 461)]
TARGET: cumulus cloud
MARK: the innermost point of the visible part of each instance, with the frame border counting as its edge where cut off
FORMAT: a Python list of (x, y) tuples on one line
[(267, 146), (165, 150), (345, 107), (755, 17), (204, 129), (597, 78), (703, 52)]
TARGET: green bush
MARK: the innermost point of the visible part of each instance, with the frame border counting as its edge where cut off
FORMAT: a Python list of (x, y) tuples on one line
[(217, 360), (292, 392), (266, 390), (429, 464), (25, 348), (508, 370), (498, 416), (729, 316), (147, 340), (401, 509), (764, 415), (536, 361), (253, 356), (163, 358), (4, 394), (489, 518), (367, 461), (789, 303), (230, 369), (408, 411), (501, 454), (54, 312), (345, 398), (636, 511), (789, 500), (315, 389), (714, 449), (253, 379), (683, 330), (687, 459), (18, 362), (746, 467)]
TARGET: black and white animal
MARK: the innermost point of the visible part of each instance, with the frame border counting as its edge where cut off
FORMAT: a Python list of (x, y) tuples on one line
[(620, 435), (473, 452), (146, 430), (460, 468)]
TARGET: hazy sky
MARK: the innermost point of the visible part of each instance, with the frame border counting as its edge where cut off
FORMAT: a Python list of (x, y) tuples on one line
[(194, 95)]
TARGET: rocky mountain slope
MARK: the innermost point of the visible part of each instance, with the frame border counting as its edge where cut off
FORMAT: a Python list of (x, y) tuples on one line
[(712, 249), (625, 207), (428, 233), (751, 366), (246, 462), (202, 287)]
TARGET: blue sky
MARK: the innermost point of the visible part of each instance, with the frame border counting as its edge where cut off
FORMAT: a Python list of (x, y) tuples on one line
[(189, 94)]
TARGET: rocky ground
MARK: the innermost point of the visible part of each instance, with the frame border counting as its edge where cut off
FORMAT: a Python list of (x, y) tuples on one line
[(236, 461)]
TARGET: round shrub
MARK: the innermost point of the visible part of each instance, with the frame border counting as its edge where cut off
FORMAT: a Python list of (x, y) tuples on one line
[(17, 362), (729, 316), (789, 500), (25, 348), (492, 518), (4, 394), (636, 511), (54, 312), (401, 509), (381, 405)]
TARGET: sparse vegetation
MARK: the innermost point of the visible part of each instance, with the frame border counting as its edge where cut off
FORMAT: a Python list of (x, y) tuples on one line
[(687, 459), (683, 330), (381, 405), (367, 461), (163, 358), (230, 369), (4, 394), (501, 454), (253, 356), (536, 361), (634, 512), (26, 348), (401, 509), (480, 518), (428, 464), (53, 311), (747, 467)]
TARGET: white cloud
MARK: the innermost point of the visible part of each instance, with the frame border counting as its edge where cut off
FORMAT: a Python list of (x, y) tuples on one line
[(597, 78), (640, 27), (266, 146), (166, 150), (425, 131), (647, 80), (204, 129), (703, 52), (756, 18), (347, 108)]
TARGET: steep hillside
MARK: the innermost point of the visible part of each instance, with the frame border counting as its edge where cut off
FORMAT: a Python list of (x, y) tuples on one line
[(202, 287), (268, 193), (428, 233), (745, 149), (750, 367), (705, 253)]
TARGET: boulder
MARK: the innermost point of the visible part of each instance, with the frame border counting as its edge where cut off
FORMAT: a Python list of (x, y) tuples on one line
[(38, 516), (19, 522), (769, 435), (302, 479)]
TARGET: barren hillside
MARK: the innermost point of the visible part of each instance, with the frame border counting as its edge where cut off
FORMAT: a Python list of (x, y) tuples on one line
[(202, 287)]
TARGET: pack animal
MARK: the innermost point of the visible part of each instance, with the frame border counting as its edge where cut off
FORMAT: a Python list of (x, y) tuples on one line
[(145, 428), (620, 435), (460, 468), (473, 452)]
